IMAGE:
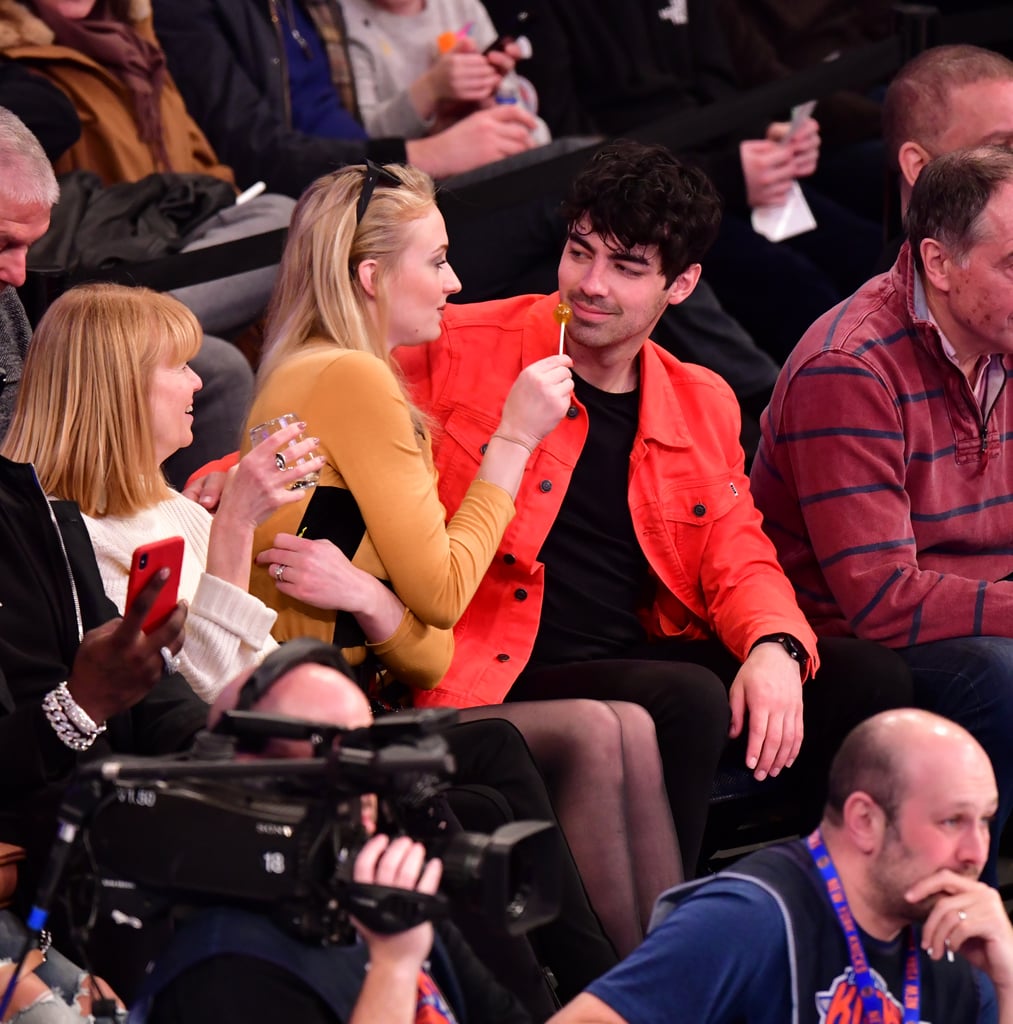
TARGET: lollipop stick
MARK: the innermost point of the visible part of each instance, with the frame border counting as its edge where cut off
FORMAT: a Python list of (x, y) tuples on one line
[(562, 335)]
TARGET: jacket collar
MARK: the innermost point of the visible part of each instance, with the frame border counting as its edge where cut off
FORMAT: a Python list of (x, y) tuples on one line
[(904, 278), (661, 417)]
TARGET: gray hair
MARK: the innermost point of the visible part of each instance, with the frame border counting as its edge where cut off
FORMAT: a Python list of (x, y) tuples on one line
[(26, 175), (950, 196)]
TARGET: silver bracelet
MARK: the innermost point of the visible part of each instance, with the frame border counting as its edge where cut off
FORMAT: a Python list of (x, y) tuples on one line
[(77, 714), (71, 723)]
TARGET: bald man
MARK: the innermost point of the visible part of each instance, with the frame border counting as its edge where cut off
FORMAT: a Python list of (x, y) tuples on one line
[(883, 897)]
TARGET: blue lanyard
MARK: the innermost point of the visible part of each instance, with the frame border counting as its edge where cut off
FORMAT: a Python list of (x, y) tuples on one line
[(872, 1001)]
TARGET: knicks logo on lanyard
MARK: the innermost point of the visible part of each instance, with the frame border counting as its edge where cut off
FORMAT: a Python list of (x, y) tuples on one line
[(859, 996), (432, 1007), (842, 1003)]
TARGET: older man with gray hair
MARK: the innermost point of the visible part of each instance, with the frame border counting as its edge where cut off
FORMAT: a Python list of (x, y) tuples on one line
[(28, 192), (885, 473)]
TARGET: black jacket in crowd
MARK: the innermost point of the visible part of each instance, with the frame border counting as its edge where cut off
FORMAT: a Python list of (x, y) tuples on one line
[(51, 594), (228, 60)]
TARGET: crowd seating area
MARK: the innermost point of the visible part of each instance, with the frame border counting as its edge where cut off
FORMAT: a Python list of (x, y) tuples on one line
[(503, 216)]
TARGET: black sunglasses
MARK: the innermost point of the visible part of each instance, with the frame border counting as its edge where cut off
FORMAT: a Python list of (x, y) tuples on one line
[(375, 175)]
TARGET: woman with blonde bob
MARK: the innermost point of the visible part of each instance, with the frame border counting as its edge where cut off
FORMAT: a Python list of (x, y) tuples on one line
[(365, 271), (106, 396)]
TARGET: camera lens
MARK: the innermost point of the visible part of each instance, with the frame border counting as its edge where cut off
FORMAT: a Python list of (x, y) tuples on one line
[(510, 876)]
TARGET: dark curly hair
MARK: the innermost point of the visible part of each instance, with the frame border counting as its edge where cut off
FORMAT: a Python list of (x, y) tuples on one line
[(638, 195)]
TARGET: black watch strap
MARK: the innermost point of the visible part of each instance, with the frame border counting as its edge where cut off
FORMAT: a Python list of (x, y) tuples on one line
[(792, 645)]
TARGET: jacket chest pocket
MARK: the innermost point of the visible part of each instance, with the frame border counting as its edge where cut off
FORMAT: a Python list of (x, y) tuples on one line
[(461, 445), (689, 514)]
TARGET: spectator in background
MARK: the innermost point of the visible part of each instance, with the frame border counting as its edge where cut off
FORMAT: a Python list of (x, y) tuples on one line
[(422, 65), (946, 98), (770, 40), (28, 192), (612, 68), (890, 509), (271, 86)]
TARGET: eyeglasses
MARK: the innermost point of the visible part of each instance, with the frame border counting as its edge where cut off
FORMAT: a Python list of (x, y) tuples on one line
[(375, 175)]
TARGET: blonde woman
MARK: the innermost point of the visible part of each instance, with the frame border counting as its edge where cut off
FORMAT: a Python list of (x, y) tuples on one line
[(106, 396), (366, 271)]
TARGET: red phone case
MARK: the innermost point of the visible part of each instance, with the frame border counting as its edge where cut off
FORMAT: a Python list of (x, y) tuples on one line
[(148, 559)]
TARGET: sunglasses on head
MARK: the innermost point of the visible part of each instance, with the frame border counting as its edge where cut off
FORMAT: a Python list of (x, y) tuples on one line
[(375, 175)]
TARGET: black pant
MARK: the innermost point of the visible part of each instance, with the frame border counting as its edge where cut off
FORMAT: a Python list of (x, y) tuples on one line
[(684, 686)]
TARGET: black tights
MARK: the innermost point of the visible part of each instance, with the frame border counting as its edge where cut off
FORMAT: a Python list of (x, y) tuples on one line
[(602, 768), (690, 711)]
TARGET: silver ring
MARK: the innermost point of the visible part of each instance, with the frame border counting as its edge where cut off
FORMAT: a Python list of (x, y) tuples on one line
[(170, 661), (279, 461), (961, 915), (278, 573)]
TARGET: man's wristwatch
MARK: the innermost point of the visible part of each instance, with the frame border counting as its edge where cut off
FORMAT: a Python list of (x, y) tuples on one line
[(794, 649)]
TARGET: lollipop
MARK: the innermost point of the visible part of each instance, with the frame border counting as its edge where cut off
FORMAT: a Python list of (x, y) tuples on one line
[(562, 314)]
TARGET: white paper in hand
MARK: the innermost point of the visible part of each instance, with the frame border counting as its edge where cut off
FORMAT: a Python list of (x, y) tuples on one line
[(792, 217)]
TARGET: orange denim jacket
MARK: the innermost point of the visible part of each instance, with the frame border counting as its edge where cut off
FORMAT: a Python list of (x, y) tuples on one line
[(715, 571)]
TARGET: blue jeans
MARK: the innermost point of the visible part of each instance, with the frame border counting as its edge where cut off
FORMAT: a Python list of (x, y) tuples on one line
[(970, 681), (63, 978)]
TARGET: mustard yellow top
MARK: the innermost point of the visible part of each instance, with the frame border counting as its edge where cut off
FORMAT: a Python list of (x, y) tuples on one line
[(354, 404)]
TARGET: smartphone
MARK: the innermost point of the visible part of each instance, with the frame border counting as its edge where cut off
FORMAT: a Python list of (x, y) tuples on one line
[(799, 115), (520, 20), (148, 559)]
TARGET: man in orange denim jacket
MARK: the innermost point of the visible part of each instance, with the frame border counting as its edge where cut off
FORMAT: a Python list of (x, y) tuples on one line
[(636, 567)]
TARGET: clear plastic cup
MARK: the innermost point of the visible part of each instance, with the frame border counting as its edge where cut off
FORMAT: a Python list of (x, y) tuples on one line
[(264, 430)]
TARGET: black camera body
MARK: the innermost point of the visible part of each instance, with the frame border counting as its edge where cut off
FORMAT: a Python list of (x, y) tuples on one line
[(280, 837)]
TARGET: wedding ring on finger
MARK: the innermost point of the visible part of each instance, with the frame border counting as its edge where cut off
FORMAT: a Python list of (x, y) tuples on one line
[(279, 461), (170, 661), (279, 573)]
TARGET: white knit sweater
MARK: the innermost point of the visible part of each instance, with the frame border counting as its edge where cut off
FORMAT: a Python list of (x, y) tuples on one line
[(227, 629)]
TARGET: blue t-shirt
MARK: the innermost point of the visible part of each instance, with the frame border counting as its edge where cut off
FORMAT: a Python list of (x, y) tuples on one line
[(722, 956)]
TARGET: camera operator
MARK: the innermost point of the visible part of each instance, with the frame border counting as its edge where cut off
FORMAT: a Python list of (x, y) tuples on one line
[(230, 964)]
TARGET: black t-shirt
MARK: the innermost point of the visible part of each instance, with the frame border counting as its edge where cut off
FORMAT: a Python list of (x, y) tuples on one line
[(595, 571)]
